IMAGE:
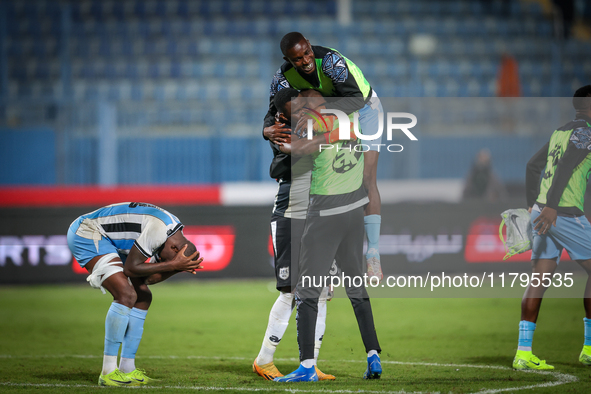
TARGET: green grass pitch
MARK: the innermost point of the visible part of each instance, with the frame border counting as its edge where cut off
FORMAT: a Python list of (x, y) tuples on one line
[(203, 335)]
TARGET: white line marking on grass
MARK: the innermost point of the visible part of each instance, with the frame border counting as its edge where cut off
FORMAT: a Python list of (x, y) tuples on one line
[(214, 388), (561, 378)]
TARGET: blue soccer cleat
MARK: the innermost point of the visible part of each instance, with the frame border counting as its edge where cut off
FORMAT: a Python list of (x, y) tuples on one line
[(301, 374), (374, 368)]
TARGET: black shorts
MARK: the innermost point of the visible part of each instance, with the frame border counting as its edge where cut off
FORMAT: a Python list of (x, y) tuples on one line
[(326, 239), (286, 234)]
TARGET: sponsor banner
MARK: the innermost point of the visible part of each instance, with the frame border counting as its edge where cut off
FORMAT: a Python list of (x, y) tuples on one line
[(215, 243), (34, 249), (416, 238)]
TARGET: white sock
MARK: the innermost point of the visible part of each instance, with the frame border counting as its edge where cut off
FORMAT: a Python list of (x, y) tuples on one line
[(309, 363), (109, 364), (278, 322), (127, 365), (524, 348), (320, 326), (372, 353)]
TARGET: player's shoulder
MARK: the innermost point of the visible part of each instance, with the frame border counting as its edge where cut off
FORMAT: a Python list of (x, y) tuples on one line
[(320, 52), (279, 81), (334, 65), (154, 213), (581, 137)]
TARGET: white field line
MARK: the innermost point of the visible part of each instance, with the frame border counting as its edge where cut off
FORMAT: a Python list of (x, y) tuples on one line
[(561, 378)]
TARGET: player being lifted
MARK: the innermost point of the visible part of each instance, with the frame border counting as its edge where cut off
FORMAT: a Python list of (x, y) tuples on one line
[(327, 71), (558, 220), (287, 224), (113, 244)]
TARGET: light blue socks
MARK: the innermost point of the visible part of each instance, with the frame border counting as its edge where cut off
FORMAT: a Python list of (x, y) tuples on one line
[(133, 336), (372, 229), (115, 327), (587, 331), (526, 335)]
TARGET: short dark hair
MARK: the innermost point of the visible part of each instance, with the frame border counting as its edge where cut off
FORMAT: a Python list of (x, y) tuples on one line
[(191, 248), (582, 99), (283, 97), (290, 40)]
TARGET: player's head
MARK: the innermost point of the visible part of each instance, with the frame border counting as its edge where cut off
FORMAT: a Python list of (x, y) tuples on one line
[(313, 98), (297, 50), (582, 100), (174, 244), (291, 109)]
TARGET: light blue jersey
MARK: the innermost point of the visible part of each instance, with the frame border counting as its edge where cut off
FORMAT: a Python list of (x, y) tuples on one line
[(117, 228)]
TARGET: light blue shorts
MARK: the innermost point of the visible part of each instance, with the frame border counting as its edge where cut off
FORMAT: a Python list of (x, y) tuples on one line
[(369, 118), (85, 249), (570, 233)]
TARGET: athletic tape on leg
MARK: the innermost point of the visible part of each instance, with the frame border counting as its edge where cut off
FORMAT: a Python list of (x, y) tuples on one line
[(103, 269)]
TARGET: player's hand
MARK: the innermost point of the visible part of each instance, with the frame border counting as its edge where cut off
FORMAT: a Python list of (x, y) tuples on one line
[(546, 219), (186, 263), (301, 128), (281, 118), (278, 133)]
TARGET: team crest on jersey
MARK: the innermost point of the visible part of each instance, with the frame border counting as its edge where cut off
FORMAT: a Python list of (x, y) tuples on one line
[(346, 160), (555, 155), (284, 273)]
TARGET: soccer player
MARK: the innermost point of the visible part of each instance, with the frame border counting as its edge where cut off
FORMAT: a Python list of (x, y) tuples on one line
[(333, 231), (333, 75), (556, 205), (287, 225), (114, 243)]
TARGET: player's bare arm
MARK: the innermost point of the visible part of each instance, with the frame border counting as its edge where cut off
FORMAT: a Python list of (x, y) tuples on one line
[(157, 278), (135, 266), (278, 133), (572, 157), (546, 219)]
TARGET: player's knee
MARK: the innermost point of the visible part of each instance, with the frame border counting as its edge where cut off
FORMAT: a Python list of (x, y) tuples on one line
[(126, 296), (144, 296)]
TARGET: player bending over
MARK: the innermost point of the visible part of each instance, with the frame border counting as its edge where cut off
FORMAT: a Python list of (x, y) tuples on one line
[(113, 244), (558, 220)]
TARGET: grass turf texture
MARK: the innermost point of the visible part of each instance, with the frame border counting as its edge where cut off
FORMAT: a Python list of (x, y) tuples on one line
[(205, 334)]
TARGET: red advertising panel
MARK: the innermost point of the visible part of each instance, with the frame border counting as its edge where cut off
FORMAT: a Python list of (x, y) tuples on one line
[(216, 244)]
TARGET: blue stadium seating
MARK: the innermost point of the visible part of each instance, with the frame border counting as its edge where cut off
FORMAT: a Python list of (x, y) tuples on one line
[(170, 52)]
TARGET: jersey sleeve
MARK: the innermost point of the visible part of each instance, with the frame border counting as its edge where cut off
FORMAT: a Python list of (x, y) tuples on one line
[(534, 168), (154, 234), (578, 149), (277, 83), (334, 65)]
